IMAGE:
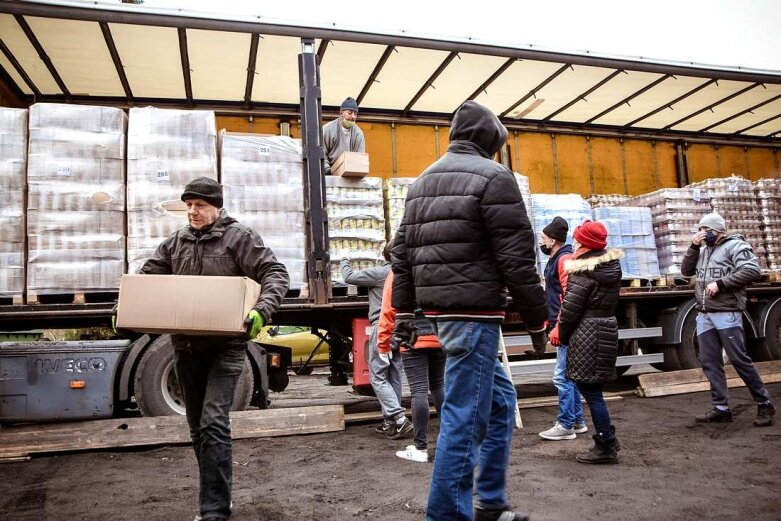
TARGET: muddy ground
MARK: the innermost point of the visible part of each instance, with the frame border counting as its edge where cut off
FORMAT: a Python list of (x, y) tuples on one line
[(671, 469)]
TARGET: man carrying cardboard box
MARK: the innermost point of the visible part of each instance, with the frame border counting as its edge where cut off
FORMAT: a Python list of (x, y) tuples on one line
[(342, 134), (208, 367)]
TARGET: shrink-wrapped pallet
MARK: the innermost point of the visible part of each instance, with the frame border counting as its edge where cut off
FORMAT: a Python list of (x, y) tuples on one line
[(631, 230), (675, 213), (734, 199), (166, 150), (768, 192), (263, 186), (356, 222), (76, 199), (526, 195), (13, 163), (395, 192), (570, 207), (606, 200)]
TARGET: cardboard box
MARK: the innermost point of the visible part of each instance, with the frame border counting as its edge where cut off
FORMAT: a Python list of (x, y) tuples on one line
[(184, 304), (351, 164)]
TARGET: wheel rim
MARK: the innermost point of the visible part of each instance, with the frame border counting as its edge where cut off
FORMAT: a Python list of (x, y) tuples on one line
[(169, 388)]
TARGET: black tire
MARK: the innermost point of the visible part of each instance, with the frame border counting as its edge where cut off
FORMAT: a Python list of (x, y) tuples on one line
[(689, 350), (157, 390), (772, 333)]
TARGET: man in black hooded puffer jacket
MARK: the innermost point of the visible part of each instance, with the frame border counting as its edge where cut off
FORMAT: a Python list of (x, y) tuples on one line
[(464, 238)]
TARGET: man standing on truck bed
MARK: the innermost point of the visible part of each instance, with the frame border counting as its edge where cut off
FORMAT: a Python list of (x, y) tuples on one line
[(464, 238), (208, 367), (724, 266), (342, 134)]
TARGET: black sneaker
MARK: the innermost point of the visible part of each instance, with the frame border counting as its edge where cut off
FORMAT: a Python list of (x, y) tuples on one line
[(383, 427), (765, 413), (482, 514), (397, 431), (715, 416)]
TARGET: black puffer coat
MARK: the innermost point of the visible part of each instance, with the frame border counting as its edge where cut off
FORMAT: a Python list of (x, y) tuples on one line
[(465, 235), (587, 323)]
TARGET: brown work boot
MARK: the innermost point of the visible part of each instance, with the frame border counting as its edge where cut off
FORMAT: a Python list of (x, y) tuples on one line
[(765, 413)]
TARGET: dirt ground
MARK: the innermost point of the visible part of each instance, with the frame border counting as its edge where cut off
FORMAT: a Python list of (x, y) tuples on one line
[(670, 469)]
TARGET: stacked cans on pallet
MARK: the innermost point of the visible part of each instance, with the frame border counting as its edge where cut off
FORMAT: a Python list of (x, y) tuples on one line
[(356, 222), (768, 192), (631, 230), (570, 207), (13, 164), (675, 213), (606, 200), (263, 186), (166, 150), (76, 199), (395, 196)]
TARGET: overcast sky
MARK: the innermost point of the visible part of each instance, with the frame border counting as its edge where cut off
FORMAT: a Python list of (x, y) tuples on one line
[(744, 33)]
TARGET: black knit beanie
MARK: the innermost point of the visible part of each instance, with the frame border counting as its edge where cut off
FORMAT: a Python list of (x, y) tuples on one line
[(204, 188), (557, 229), (349, 104)]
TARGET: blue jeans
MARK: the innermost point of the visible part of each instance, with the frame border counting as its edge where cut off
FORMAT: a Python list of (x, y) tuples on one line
[(476, 426), (570, 408), (385, 377), (598, 408), (208, 381)]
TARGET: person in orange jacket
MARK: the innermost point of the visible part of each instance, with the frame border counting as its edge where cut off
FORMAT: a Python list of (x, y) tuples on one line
[(424, 366)]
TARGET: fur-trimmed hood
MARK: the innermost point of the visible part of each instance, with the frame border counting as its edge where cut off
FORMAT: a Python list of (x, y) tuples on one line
[(601, 265)]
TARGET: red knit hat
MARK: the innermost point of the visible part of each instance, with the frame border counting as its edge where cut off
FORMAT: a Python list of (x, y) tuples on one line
[(592, 235)]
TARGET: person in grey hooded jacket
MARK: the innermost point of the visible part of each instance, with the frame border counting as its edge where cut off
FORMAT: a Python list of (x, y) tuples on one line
[(724, 265), (342, 134)]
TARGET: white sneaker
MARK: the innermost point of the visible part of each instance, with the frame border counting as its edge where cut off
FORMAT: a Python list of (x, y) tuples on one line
[(558, 432), (580, 428), (413, 454)]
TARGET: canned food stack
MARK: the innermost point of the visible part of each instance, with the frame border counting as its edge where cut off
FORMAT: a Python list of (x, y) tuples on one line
[(675, 213), (166, 149), (356, 222), (76, 199), (526, 195), (570, 207), (13, 164), (630, 229), (734, 199), (606, 200), (768, 192), (395, 192), (263, 188)]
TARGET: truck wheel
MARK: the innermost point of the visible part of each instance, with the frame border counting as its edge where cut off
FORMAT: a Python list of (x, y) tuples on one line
[(772, 334), (157, 391), (689, 351)]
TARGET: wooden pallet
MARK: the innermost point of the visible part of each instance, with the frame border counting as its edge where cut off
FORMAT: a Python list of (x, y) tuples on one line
[(14, 300), (694, 380), (771, 276), (85, 297)]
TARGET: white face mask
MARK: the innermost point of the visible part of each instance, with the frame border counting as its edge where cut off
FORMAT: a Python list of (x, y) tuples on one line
[(575, 245), (346, 123)]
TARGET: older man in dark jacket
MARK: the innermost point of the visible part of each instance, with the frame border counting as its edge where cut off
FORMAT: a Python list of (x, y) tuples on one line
[(464, 238), (208, 368)]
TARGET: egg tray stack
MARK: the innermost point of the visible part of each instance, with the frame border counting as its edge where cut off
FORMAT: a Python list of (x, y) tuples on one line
[(675, 213), (768, 192), (76, 199), (395, 193), (263, 188), (13, 165), (606, 200), (734, 199), (356, 222), (166, 150), (570, 207), (630, 229)]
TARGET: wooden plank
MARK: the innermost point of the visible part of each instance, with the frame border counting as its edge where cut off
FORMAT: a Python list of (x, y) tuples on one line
[(687, 376), (162, 430), (666, 390)]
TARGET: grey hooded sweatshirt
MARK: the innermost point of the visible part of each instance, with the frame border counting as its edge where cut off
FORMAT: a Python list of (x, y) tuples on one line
[(336, 141), (731, 263)]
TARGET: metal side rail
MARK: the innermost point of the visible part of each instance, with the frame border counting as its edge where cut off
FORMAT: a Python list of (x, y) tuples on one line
[(547, 365)]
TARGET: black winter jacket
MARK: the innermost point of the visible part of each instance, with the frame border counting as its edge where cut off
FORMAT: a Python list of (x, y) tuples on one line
[(587, 323), (227, 248), (465, 235)]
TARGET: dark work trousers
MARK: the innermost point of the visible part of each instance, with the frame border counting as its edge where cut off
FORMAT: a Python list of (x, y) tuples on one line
[(208, 381), (724, 330), (425, 370), (600, 416)]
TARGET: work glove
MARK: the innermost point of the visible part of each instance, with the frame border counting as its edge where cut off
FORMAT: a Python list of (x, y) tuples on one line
[(253, 323), (554, 337), (405, 333)]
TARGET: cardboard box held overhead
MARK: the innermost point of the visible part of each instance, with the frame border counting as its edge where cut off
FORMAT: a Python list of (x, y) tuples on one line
[(184, 304), (351, 164)]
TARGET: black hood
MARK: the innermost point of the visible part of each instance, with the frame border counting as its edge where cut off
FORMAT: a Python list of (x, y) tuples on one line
[(478, 125)]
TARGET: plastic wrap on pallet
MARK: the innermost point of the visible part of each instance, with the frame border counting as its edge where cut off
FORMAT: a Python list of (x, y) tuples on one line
[(630, 229), (523, 186), (356, 221), (734, 199), (606, 200), (675, 213), (570, 207), (263, 188), (76, 198), (166, 149), (13, 164), (395, 192), (768, 194)]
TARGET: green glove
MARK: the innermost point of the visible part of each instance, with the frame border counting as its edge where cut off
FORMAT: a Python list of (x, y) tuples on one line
[(255, 322)]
